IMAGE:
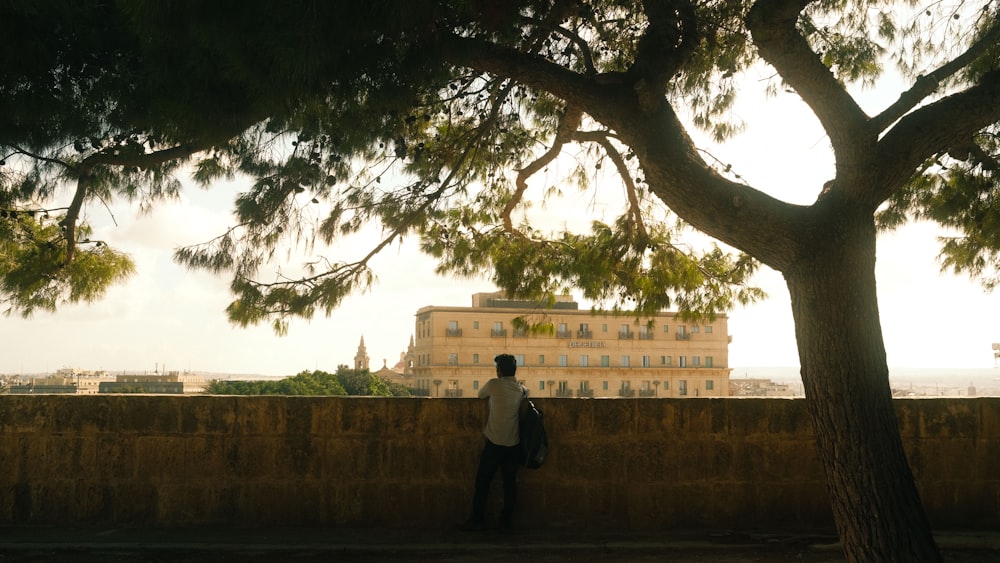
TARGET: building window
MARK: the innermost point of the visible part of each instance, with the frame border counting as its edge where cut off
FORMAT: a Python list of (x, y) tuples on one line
[(604, 327), (605, 361), (541, 359), (541, 385), (452, 359), (646, 362), (605, 385), (625, 361), (584, 360), (563, 360), (625, 333), (645, 332), (666, 328), (498, 329), (670, 361), (682, 387), (562, 331), (708, 329), (584, 331), (453, 329), (682, 333), (708, 361), (666, 385), (519, 359), (663, 360), (695, 361), (682, 361), (709, 385), (475, 358), (694, 328), (475, 325), (475, 384)]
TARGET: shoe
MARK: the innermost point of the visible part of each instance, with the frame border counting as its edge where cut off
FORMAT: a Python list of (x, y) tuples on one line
[(472, 526)]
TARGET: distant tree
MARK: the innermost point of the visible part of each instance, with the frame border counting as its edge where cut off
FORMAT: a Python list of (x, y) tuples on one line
[(303, 383), (363, 382), (431, 118)]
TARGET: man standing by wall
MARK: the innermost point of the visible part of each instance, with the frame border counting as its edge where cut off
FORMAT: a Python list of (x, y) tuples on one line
[(500, 448)]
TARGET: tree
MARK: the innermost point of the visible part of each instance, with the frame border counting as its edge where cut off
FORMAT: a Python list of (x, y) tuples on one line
[(345, 382), (363, 382), (434, 118), (303, 383)]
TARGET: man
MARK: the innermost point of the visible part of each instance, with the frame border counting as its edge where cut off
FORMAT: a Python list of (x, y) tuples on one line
[(501, 439)]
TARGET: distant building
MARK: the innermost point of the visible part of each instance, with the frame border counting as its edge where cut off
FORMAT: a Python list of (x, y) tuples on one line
[(171, 383), (361, 358), (87, 382), (755, 387), (52, 385), (589, 354)]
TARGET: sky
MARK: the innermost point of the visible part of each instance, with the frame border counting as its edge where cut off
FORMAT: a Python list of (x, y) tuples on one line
[(168, 318)]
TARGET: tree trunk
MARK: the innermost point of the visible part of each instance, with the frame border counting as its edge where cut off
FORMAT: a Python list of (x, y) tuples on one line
[(874, 498)]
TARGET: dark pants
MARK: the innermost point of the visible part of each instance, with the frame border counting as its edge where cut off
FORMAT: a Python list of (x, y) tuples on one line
[(496, 457)]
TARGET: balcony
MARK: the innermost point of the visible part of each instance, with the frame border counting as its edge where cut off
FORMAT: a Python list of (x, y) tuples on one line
[(453, 332), (647, 392), (520, 333), (453, 393), (584, 334), (626, 392), (585, 393), (499, 332), (626, 335), (563, 334), (683, 336), (564, 392), (645, 336)]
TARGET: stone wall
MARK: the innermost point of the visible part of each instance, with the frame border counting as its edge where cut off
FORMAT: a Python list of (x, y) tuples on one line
[(325, 461)]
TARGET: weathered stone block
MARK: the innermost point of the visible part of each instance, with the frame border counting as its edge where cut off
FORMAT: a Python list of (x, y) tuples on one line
[(147, 460)]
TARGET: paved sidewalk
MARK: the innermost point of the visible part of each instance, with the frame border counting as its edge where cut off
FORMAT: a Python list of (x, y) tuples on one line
[(119, 545)]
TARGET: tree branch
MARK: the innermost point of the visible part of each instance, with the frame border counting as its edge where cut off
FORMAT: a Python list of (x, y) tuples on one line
[(533, 71), (109, 157), (934, 129), (567, 125), (772, 24), (927, 84), (601, 138), (669, 40), (84, 176)]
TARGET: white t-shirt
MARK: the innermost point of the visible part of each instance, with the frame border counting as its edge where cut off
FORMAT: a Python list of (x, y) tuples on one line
[(505, 395)]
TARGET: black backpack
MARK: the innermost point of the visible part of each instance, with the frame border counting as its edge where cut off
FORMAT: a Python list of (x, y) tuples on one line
[(534, 442)]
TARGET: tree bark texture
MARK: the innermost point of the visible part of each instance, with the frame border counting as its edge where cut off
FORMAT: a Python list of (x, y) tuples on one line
[(873, 495)]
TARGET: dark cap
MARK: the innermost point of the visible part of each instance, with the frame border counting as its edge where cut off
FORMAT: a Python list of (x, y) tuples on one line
[(506, 364)]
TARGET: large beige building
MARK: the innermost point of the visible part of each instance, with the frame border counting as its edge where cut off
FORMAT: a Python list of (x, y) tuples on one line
[(587, 354)]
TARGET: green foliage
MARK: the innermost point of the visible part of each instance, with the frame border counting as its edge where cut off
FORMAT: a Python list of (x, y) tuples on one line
[(303, 383), (344, 382), (34, 273), (345, 115), (966, 200)]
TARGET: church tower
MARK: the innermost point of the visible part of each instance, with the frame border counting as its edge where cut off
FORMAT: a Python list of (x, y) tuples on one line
[(407, 358), (361, 359)]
